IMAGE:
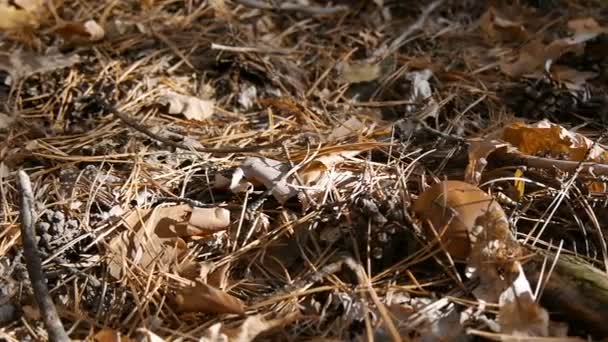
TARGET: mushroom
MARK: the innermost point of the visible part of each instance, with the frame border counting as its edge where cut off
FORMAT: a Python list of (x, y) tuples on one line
[(452, 207)]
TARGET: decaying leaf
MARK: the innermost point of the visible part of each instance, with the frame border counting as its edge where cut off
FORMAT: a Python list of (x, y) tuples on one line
[(207, 299), (247, 331), (110, 335), (20, 64), (155, 235), (89, 31), (350, 127), (519, 314), (572, 78), (269, 172), (494, 255), (5, 121), (547, 138), (191, 107), (20, 14), (149, 336), (532, 56), (359, 71), (421, 94), (479, 150), (496, 28), (313, 172)]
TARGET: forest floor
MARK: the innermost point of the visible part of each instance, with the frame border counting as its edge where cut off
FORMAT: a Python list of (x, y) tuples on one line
[(238, 170)]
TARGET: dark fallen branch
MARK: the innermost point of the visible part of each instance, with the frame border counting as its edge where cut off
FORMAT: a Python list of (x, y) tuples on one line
[(575, 288), (224, 150), (596, 169), (289, 6), (34, 263)]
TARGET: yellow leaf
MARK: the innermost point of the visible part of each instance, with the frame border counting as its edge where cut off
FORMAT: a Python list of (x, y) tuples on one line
[(519, 184), (13, 18)]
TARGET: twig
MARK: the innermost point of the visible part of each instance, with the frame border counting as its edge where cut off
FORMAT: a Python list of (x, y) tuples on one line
[(247, 49), (417, 25), (34, 263), (288, 6), (226, 149), (564, 165)]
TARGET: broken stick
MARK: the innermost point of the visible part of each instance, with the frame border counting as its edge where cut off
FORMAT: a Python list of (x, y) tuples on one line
[(34, 263)]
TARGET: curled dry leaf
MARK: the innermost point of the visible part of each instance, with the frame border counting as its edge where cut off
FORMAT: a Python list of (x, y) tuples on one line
[(532, 56), (20, 64), (359, 71), (207, 299), (20, 14), (77, 32), (156, 234), (315, 170), (496, 28), (5, 121), (572, 78), (269, 172), (191, 107), (452, 207), (519, 314), (548, 138), (247, 331), (110, 335), (352, 126), (494, 255), (479, 150)]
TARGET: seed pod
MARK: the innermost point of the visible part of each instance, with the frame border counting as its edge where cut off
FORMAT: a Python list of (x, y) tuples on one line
[(452, 208)]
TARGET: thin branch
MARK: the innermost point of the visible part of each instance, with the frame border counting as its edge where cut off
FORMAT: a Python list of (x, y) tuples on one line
[(417, 25), (34, 263), (289, 6), (226, 149)]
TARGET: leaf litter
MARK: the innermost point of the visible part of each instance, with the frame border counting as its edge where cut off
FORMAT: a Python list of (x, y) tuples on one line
[(410, 172)]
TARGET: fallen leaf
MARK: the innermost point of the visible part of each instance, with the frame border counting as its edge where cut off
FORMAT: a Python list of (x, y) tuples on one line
[(313, 172), (149, 336), (5, 121), (155, 235), (20, 64), (359, 71), (532, 56), (248, 96), (519, 184), (221, 10), (572, 78), (26, 15), (269, 172), (479, 150), (207, 299), (350, 127), (110, 335), (545, 138), (519, 314), (421, 94), (493, 255), (585, 28), (191, 107), (247, 331), (89, 31), (496, 28)]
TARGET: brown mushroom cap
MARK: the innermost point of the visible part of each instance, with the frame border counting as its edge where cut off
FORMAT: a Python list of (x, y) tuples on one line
[(452, 208)]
